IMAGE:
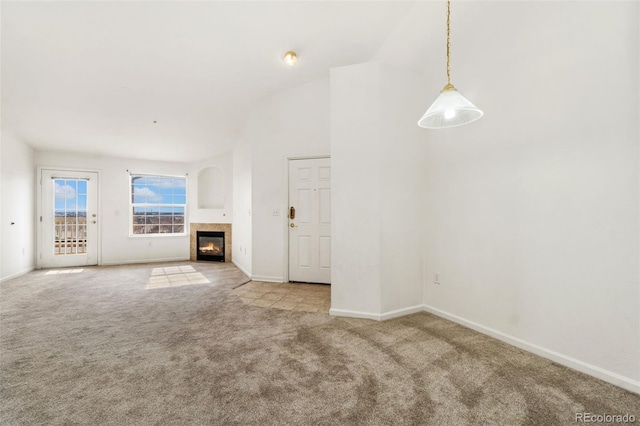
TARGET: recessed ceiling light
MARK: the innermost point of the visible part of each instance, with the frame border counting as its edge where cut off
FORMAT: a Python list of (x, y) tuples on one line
[(290, 58)]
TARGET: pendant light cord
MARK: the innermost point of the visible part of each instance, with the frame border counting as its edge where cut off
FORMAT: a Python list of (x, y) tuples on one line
[(448, 42), (450, 109)]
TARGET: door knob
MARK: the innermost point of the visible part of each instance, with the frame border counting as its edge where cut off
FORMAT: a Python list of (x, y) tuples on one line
[(293, 225), (93, 221)]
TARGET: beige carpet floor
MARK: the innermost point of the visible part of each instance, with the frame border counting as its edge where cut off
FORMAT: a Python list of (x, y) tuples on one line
[(115, 346)]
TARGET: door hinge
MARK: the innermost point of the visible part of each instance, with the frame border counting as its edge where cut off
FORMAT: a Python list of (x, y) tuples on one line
[(40, 218)]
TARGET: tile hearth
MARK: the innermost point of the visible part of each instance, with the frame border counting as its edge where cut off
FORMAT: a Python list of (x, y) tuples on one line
[(286, 296)]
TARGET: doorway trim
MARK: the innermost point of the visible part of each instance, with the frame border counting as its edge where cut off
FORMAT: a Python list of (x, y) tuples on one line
[(285, 207), (39, 231)]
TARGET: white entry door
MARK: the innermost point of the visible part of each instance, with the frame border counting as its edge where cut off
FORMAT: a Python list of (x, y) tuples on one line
[(310, 220), (68, 224)]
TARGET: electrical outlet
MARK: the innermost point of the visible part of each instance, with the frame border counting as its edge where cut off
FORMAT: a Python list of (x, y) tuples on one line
[(436, 278)]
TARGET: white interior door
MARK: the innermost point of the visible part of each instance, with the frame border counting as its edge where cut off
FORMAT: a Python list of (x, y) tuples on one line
[(68, 225), (310, 226)]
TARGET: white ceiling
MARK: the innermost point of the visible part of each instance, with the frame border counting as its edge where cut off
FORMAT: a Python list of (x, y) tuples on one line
[(168, 80)]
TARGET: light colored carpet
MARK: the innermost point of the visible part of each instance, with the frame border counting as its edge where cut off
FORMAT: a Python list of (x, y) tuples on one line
[(102, 346)]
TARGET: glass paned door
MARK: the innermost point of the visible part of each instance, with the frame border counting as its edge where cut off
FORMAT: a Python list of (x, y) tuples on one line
[(70, 216), (68, 221)]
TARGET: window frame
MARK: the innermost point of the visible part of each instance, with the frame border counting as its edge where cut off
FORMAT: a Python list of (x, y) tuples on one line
[(133, 205)]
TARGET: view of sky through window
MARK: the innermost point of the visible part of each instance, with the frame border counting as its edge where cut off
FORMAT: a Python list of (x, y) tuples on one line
[(70, 216), (70, 196), (158, 204)]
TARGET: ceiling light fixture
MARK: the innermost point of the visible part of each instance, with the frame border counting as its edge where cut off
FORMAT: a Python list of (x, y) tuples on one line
[(290, 58), (450, 109)]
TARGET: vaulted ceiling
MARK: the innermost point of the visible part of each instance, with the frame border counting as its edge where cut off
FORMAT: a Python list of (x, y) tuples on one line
[(169, 80)]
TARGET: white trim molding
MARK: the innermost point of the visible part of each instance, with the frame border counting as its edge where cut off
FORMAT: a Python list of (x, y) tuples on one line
[(17, 274), (401, 312), (374, 316), (567, 361), (266, 279), (353, 314), (242, 268)]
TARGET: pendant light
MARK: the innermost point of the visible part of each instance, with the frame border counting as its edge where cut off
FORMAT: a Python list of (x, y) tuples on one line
[(450, 109)]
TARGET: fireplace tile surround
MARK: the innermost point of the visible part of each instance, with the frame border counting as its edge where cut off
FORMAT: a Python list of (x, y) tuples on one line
[(195, 227)]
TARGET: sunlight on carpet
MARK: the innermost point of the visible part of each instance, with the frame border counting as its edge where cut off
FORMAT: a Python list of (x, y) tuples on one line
[(175, 276), (64, 271)]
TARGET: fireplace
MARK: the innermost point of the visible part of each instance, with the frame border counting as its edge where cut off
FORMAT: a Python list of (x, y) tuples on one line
[(194, 228), (210, 246)]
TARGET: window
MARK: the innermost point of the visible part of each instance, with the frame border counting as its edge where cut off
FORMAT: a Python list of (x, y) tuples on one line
[(158, 205)]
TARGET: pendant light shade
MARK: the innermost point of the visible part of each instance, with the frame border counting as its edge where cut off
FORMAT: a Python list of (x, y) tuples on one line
[(450, 109)]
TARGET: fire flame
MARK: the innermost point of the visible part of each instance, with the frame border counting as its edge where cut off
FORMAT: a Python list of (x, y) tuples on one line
[(211, 249)]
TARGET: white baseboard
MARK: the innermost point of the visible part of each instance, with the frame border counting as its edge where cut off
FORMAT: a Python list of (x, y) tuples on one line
[(17, 274), (155, 260), (267, 279), (583, 367), (244, 271), (401, 312), (378, 317), (353, 314)]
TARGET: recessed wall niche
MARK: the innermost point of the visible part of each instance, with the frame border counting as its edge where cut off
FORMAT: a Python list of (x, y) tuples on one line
[(211, 186)]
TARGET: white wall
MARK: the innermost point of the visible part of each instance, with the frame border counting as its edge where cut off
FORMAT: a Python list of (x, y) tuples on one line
[(287, 124), (377, 204), (223, 214), (403, 177), (532, 212), (356, 201), (1, 209), (18, 207), (116, 246), (241, 231)]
